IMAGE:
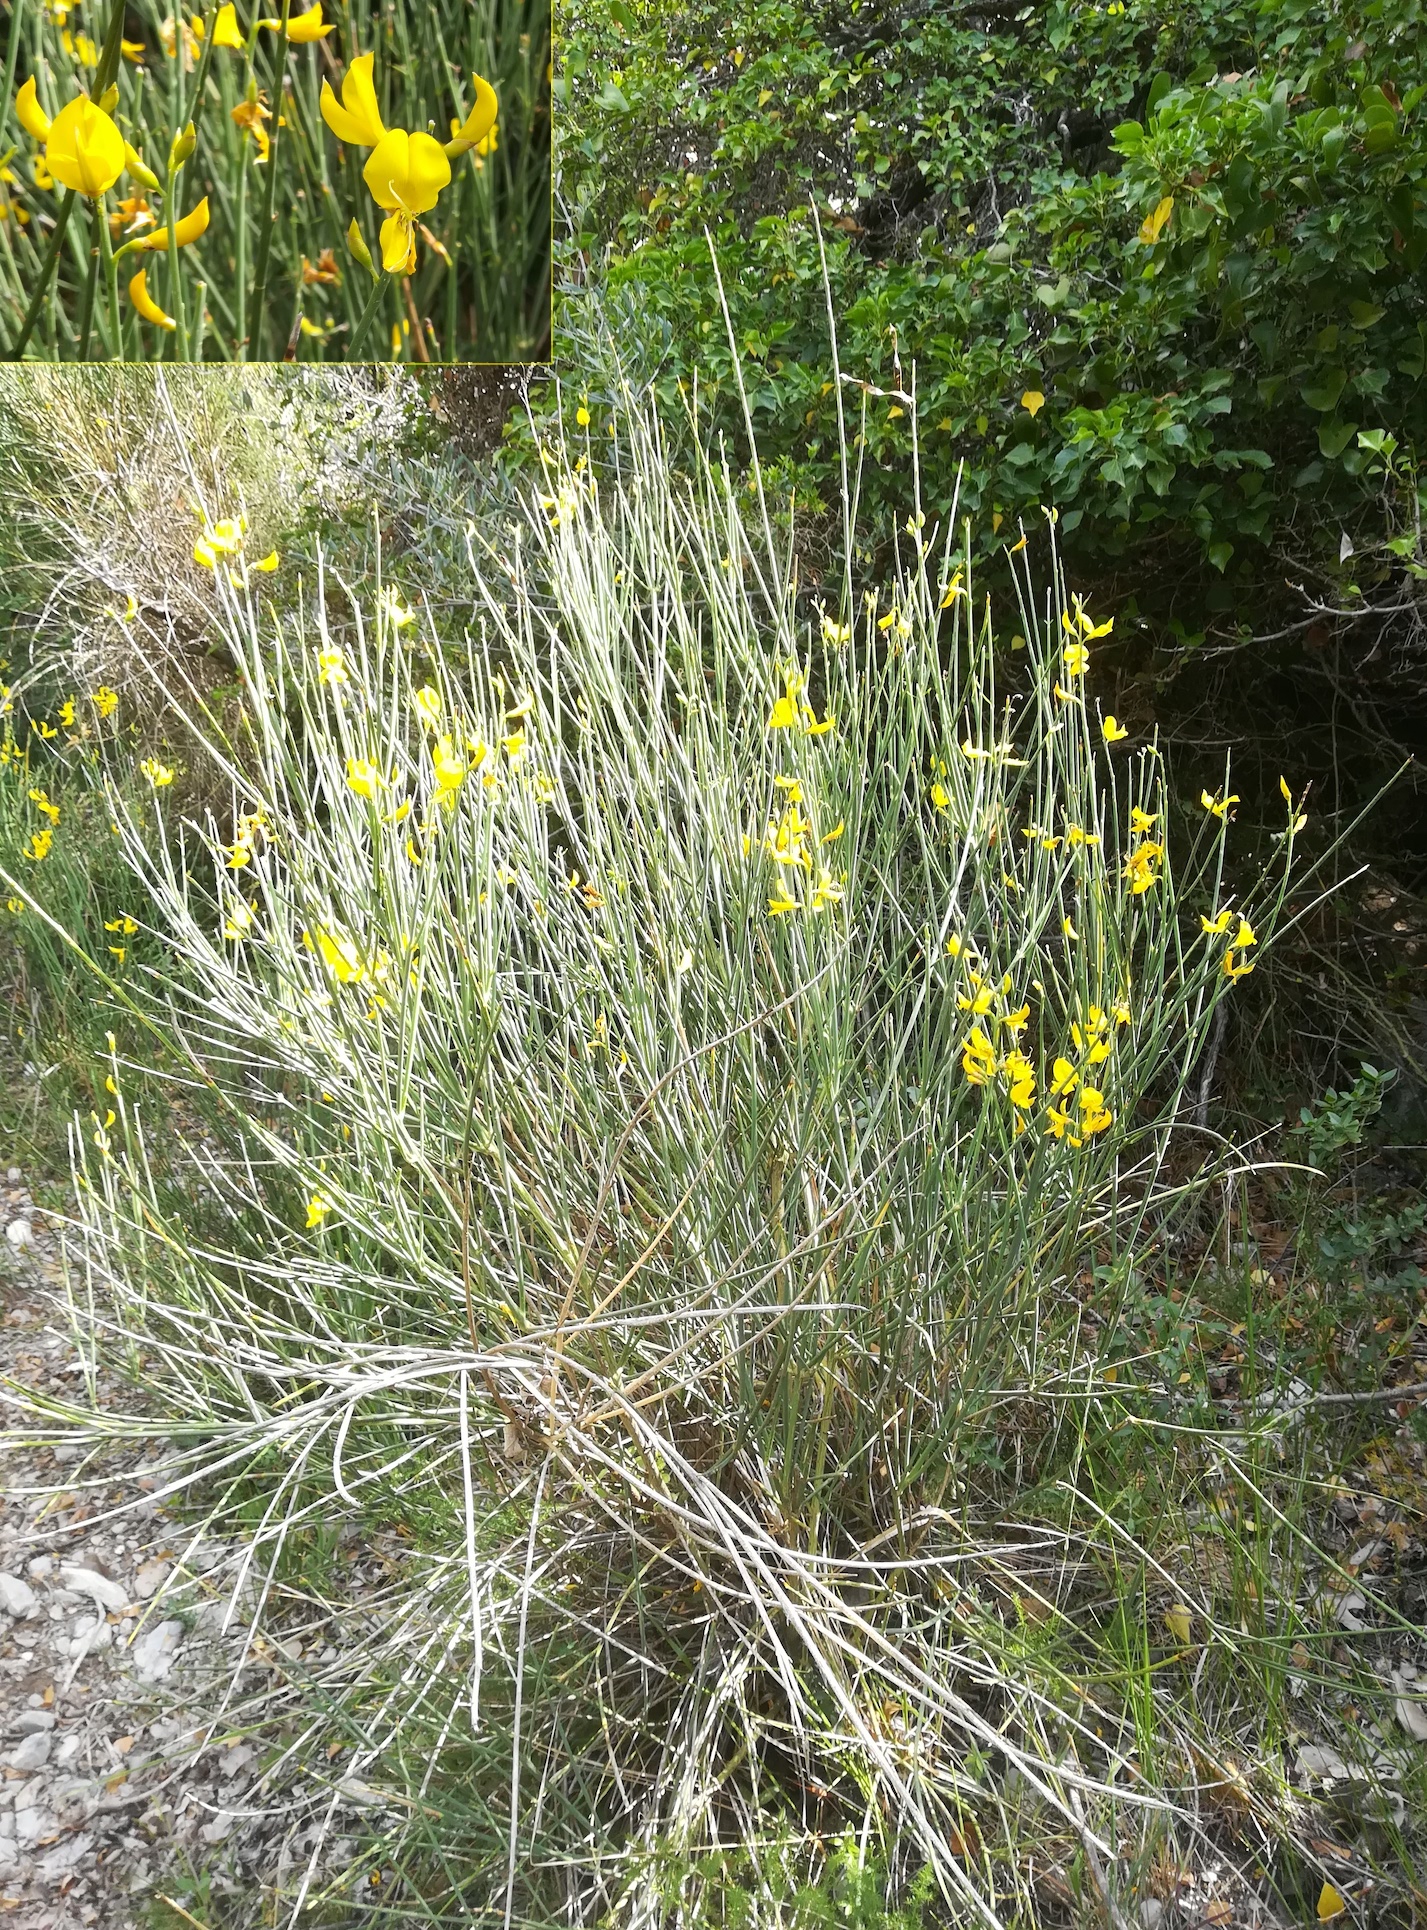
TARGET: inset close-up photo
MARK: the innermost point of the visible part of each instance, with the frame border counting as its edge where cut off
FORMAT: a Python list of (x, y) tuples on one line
[(339, 182)]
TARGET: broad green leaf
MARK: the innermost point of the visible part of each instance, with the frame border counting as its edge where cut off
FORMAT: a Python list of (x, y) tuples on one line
[(1323, 392)]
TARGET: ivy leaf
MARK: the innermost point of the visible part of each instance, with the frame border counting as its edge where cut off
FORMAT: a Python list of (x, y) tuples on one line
[(1323, 394), (1334, 436)]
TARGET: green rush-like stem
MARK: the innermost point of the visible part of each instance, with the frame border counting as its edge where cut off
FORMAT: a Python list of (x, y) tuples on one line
[(240, 277), (200, 294), (175, 274), (12, 55), (111, 286), (364, 321), (91, 279), (46, 274), (258, 321)]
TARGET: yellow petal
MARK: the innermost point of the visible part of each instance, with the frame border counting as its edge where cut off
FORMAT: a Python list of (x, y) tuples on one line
[(1032, 402), (398, 244), (357, 120), (301, 27), (85, 150), (1153, 225), (31, 116), (478, 123), (1180, 1623), (143, 301), (406, 173), (1330, 1904), (192, 225), (268, 564), (226, 32)]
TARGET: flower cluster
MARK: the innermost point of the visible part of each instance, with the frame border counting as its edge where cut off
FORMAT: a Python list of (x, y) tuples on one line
[(792, 844), (792, 711)]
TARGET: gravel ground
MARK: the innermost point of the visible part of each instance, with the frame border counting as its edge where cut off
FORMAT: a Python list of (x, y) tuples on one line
[(127, 1772)]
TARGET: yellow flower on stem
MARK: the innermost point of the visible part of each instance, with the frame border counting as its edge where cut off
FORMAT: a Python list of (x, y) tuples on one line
[(427, 705), (105, 700), (51, 811), (319, 1206), (248, 117), (1245, 936), (40, 842), (1143, 821), (978, 1058), (331, 667), (1095, 1115), (356, 119), (478, 125), (364, 777), (1235, 972), (301, 27), (1140, 867), (1217, 926), (1077, 660), (1217, 807), (85, 150), (1114, 731), (157, 774)]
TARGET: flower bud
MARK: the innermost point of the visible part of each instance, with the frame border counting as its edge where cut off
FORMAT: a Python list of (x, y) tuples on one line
[(133, 161), (183, 146), (108, 100), (360, 251)]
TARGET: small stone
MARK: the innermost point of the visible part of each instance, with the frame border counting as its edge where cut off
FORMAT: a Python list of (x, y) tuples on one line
[(153, 1654), (16, 1597), (33, 1722), (13, 1175), (31, 1753), (107, 1595), (65, 1857), (40, 1569), (150, 1578), (33, 1825), (20, 1234)]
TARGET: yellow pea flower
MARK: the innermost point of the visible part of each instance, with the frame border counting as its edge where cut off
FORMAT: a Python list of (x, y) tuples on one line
[(1232, 971), (1059, 1126), (1217, 807), (1020, 1076), (364, 777), (1077, 660), (1245, 936), (268, 563), (1064, 1078), (356, 119), (1143, 821), (978, 1058), (1114, 731), (478, 123), (226, 32), (1067, 925), (782, 903), (1216, 927), (123, 924), (147, 307), (301, 27), (157, 774), (41, 799), (38, 847), (331, 667), (105, 700), (1095, 1115), (187, 230), (319, 1205), (239, 921), (427, 705), (84, 149), (940, 796)]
